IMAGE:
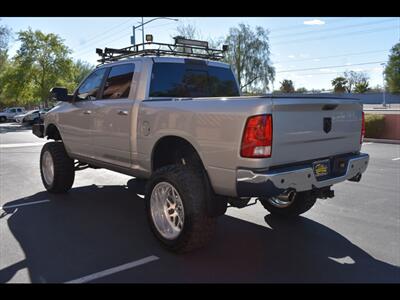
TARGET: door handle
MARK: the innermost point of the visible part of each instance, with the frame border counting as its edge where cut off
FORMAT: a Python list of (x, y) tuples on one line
[(123, 112), (87, 112)]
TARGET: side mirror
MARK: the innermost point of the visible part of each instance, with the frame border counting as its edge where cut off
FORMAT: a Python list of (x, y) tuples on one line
[(59, 94)]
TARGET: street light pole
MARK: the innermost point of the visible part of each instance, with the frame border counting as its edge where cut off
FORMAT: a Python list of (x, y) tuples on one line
[(383, 87), (133, 40), (142, 33), (142, 25)]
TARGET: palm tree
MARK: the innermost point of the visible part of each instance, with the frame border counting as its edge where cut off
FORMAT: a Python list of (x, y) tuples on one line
[(339, 84), (361, 87)]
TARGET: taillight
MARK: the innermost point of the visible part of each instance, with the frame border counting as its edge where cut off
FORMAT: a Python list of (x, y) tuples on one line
[(362, 128), (257, 137)]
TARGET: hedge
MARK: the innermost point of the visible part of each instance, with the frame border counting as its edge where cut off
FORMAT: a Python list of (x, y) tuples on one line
[(374, 125)]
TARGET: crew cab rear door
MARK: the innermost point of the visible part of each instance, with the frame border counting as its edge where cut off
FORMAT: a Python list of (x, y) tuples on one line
[(112, 116)]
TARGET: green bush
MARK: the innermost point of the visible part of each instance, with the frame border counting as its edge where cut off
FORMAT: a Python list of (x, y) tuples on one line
[(374, 125)]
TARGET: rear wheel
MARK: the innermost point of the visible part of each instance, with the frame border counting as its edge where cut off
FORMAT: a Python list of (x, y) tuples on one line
[(3, 119), (56, 168), (290, 204), (176, 209)]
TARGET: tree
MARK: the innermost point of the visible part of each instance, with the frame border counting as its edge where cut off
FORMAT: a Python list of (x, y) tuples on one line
[(5, 34), (301, 90), (80, 70), (339, 84), (188, 31), (249, 55), (43, 60), (392, 70), (354, 78), (16, 84), (376, 89), (287, 86), (361, 87)]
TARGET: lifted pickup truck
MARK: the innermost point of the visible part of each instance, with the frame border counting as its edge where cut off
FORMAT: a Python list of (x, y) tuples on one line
[(180, 123)]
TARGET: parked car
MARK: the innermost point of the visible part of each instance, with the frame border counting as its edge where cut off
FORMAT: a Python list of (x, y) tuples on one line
[(181, 124), (30, 117), (9, 113), (43, 112)]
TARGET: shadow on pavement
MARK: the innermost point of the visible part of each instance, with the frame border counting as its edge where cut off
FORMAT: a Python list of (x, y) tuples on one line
[(14, 127), (94, 228)]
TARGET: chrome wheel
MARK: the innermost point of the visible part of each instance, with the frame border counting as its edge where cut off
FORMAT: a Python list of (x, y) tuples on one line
[(283, 200), (167, 210), (48, 168)]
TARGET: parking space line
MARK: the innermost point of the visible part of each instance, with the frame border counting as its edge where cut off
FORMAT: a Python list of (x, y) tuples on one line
[(397, 158), (23, 204), (367, 143), (21, 145), (120, 268)]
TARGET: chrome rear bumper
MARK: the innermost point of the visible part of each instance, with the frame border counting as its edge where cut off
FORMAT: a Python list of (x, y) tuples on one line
[(271, 183)]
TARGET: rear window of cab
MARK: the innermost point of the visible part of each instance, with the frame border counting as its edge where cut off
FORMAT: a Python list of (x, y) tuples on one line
[(180, 80)]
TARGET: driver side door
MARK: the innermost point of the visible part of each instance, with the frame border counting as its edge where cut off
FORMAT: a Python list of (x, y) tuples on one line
[(77, 117)]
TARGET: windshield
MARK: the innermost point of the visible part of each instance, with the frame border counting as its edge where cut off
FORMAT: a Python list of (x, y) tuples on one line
[(191, 80)]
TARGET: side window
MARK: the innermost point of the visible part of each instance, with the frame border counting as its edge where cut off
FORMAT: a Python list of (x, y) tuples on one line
[(19, 110), (89, 88), (166, 80), (13, 110), (118, 83)]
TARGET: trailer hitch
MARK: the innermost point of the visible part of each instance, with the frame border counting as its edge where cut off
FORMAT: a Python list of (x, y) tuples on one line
[(323, 193), (356, 178)]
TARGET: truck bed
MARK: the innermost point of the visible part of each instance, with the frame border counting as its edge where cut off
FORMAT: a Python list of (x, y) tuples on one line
[(214, 126)]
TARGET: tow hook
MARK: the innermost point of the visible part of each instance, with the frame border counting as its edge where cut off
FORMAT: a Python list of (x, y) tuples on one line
[(323, 193)]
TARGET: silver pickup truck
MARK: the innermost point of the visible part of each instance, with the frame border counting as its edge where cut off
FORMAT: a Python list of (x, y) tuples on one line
[(182, 125)]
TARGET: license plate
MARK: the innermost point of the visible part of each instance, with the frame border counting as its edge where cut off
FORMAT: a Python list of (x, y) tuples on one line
[(321, 168)]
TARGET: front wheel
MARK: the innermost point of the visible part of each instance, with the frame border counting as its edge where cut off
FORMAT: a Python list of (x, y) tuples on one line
[(290, 204), (176, 209), (56, 168)]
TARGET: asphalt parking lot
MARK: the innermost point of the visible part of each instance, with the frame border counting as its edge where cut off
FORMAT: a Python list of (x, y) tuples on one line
[(98, 231)]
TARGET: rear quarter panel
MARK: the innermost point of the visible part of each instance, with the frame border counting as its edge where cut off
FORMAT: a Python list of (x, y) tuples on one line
[(213, 126)]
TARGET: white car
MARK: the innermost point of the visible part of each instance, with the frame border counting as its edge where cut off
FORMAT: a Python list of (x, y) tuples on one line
[(43, 113), (31, 117), (10, 113)]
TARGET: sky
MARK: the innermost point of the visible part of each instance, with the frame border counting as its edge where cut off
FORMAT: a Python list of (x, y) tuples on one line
[(310, 51)]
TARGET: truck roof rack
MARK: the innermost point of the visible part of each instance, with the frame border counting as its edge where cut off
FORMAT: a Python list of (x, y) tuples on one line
[(181, 47)]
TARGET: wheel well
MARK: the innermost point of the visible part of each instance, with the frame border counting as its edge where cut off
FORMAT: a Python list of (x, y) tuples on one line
[(172, 150), (53, 133), (175, 150)]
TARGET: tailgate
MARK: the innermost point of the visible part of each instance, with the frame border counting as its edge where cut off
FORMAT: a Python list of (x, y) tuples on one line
[(311, 128)]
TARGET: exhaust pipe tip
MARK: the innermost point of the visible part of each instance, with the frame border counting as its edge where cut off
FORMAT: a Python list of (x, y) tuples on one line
[(291, 195)]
